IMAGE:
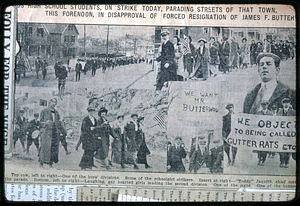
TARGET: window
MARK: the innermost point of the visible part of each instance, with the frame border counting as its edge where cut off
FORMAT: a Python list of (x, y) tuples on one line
[(205, 30), (30, 31), (70, 27), (40, 32), (179, 33), (72, 39), (66, 39)]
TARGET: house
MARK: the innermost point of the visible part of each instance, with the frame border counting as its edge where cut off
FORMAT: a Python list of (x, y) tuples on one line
[(48, 40)]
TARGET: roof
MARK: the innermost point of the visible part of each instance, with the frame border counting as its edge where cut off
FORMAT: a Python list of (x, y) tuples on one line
[(57, 28)]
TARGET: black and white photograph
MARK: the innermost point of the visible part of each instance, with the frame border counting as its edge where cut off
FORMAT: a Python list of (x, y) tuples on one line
[(72, 55), (268, 60), (156, 70), (265, 86), (218, 53), (100, 129), (194, 131), (167, 102)]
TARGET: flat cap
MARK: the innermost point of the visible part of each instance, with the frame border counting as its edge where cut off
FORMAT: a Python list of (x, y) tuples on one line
[(134, 115), (202, 39), (91, 109), (268, 54), (165, 32), (230, 105), (178, 137), (285, 100), (264, 102), (102, 109)]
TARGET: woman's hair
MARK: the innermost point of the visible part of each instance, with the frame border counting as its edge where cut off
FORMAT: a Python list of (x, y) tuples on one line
[(178, 40)]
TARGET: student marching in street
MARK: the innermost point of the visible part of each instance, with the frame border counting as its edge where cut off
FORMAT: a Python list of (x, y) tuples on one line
[(130, 133), (167, 59), (33, 132), (175, 155), (78, 69), (49, 149), (143, 150), (201, 65), (88, 139)]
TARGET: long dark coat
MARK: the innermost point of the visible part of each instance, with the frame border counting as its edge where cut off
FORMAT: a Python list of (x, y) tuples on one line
[(215, 160), (198, 159), (104, 130), (167, 56), (143, 150), (130, 137), (118, 146), (88, 140), (49, 137), (174, 159), (20, 132), (88, 136), (201, 64)]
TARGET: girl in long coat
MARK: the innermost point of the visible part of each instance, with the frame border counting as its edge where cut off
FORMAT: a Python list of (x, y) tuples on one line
[(214, 60), (143, 150), (104, 131), (244, 54), (253, 52), (179, 57), (188, 55), (88, 140), (201, 65), (130, 133)]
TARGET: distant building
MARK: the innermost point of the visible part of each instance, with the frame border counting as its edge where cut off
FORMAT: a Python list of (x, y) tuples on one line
[(48, 40)]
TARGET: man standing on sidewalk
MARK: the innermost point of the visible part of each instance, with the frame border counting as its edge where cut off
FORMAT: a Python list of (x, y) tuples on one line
[(37, 66), (78, 69)]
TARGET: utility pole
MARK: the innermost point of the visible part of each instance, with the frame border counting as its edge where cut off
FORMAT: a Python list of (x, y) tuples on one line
[(107, 39)]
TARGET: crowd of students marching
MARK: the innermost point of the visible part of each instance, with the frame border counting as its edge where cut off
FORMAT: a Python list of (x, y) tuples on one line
[(182, 60)]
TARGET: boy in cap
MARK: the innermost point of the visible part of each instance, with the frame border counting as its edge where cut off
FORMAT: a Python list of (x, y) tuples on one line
[(264, 108), (34, 125), (78, 69), (167, 58), (262, 155), (287, 110), (270, 88), (175, 155), (226, 129), (216, 157), (20, 130), (200, 156)]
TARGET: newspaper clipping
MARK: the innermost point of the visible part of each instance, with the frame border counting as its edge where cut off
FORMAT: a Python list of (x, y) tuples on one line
[(169, 99)]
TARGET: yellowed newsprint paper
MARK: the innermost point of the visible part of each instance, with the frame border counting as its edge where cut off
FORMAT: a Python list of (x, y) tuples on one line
[(150, 102)]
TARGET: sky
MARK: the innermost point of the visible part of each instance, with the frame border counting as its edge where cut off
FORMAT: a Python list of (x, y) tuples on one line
[(100, 31)]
